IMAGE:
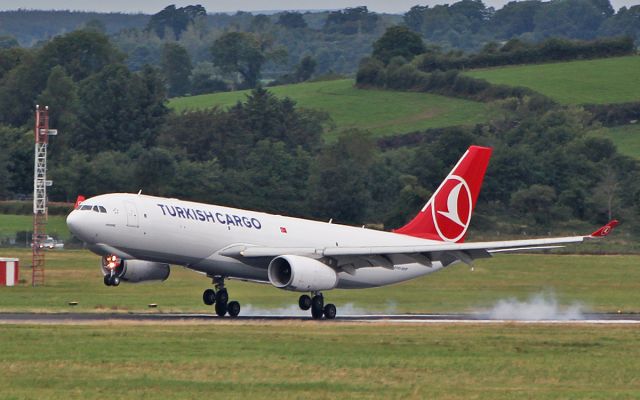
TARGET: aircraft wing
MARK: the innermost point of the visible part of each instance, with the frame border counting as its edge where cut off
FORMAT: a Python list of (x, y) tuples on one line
[(388, 256)]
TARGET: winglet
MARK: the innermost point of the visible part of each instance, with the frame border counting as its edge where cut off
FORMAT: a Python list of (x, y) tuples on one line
[(605, 230)]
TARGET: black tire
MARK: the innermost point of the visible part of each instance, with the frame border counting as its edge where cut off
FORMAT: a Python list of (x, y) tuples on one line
[(316, 313), (317, 302), (329, 311), (222, 296), (209, 297), (114, 281), (233, 308), (107, 280), (317, 307), (304, 302), (221, 309)]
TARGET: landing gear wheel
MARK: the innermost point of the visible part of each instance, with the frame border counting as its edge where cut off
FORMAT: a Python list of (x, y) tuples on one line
[(317, 306), (330, 311), (233, 308), (222, 296), (114, 280), (107, 280), (221, 309), (209, 297), (317, 302), (315, 313), (304, 302)]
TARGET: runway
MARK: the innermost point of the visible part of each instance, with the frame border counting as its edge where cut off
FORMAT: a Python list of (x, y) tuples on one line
[(62, 318)]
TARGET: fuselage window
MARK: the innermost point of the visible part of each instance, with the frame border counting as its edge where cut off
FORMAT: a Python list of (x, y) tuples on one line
[(102, 209), (95, 208)]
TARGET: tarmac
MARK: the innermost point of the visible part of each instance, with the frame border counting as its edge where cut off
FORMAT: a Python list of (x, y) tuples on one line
[(66, 318)]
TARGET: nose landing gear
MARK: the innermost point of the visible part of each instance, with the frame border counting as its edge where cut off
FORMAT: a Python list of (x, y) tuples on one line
[(221, 299), (317, 306), (111, 280)]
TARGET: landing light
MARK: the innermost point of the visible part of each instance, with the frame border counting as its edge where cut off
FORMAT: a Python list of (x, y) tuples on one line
[(112, 262)]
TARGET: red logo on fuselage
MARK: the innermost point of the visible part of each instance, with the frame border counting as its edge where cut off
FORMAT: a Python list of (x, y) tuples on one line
[(451, 209)]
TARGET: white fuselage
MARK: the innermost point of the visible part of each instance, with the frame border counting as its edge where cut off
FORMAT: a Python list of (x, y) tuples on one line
[(194, 234)]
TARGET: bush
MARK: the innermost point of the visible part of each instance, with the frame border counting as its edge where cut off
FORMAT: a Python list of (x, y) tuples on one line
[(614, 114), (403, 78), (518, 52), (370, 73)]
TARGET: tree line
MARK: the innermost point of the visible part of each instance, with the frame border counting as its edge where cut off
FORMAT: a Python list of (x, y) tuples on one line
[(276, 47), (469, 24)]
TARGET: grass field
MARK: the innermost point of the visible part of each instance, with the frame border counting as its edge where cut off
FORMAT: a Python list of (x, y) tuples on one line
[(304, 359), (626, 138), (602, 81), (321, 361), (599, 283), (382, 112), (10, 224)]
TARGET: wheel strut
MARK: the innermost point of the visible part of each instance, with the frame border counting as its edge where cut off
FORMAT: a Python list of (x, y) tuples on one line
[(318, 308), (220, 298)]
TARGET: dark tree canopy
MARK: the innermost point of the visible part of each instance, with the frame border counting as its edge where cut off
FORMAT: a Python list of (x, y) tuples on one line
[(515, 18), (305, 69), (174, 19), (351, 21), (81, 53), (292, 20), (8, 42), (398, 41), (118, 109), (244, 53), (176, 68)]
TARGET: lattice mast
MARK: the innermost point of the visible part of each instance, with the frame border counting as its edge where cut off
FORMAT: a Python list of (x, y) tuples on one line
[(40, 184)]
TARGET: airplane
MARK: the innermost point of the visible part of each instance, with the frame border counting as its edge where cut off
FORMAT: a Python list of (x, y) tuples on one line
[(139, 236)]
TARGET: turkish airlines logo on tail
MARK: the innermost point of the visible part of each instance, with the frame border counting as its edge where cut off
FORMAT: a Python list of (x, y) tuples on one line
[(451, 209)]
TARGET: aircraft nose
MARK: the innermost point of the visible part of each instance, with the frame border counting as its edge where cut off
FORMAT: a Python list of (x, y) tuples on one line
[(74, 223)]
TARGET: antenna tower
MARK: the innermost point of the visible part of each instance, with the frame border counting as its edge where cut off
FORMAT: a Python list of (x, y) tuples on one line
[(40, 184)]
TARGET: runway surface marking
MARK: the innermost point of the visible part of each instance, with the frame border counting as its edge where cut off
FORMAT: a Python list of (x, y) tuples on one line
[(52, 318)]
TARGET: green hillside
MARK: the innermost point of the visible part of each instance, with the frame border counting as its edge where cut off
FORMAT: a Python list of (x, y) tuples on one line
[(602, 81), (626, 138), (382, 112)]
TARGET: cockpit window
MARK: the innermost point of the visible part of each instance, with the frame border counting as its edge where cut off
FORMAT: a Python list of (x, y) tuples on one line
[(98, 209)]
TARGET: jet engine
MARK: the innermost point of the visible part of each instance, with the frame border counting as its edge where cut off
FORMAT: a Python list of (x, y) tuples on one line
[(301, 274), (133, 271)]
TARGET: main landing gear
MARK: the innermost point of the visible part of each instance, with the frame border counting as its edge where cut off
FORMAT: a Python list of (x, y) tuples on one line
[(220, 298), (317, 306)]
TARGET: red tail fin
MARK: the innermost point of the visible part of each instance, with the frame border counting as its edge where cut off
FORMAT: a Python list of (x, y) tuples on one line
[(447, 215), (79, 201)]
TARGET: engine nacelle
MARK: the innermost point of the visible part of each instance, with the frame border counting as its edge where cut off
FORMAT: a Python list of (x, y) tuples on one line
[(301, 274), (135, 271)]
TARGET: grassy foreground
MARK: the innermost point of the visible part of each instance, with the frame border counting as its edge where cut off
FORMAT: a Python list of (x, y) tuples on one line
[(382, 112), (321, 361), (599, 283), (601, 81)]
